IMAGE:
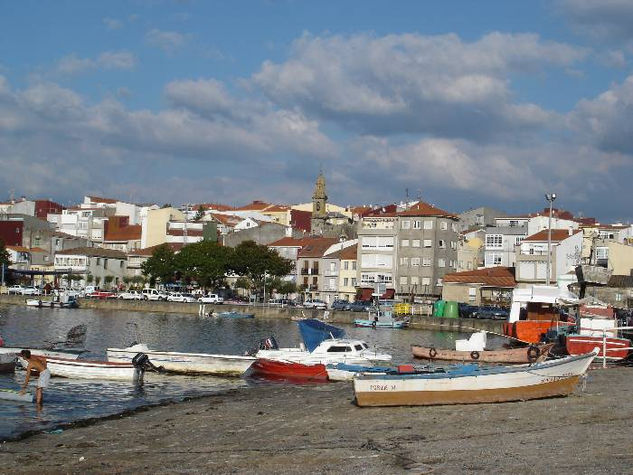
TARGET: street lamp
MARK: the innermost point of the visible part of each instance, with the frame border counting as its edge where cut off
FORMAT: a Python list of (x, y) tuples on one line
[(550, 197)]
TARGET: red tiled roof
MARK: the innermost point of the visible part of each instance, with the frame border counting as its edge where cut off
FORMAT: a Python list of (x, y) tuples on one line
[(347, 254), (419, 209), (229, 220), (288, 242), (492, 276), (557, 235), (97, 199), (316, 246), (254, 206), (18, 248), (39, 249), (126, 233)]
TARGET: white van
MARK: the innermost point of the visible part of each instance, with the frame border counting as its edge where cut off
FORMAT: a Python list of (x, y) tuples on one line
[(154, 294)]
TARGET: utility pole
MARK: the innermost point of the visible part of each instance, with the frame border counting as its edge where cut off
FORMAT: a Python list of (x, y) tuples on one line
[(550, 197)]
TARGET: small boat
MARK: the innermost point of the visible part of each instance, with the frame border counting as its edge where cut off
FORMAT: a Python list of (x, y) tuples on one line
[(528, 354), (185, 363), (323, 343), (231, 314), (472, 384), (617, 348), (289, 370), (346, 372), (13, 395), (382, 318), (68, 302), (15, 351), (90, 369)]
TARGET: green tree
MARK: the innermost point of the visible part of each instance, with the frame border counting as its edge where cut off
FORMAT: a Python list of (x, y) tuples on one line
[(107, 280), (286, 287), (162, 265), (4, 255), (206, 262), (90, 278), (252, 260)]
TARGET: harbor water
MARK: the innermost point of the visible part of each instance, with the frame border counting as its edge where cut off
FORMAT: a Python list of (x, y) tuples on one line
[(67, 401)]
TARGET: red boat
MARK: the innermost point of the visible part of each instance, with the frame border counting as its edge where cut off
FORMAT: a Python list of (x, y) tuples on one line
[(289, 370), (617, 348)]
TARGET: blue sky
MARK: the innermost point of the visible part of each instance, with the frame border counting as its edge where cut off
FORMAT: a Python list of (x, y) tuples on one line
[(462, 103)]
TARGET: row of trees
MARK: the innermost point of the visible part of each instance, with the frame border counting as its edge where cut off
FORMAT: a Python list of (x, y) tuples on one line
[(208, 264)]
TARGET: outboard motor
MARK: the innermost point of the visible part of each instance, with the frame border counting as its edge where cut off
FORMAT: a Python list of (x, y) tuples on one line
[(141, 363)]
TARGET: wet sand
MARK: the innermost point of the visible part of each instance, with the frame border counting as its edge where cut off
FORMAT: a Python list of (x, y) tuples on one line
[(285, 429)]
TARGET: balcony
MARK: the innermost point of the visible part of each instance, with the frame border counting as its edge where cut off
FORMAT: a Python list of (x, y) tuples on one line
[(305, 271)]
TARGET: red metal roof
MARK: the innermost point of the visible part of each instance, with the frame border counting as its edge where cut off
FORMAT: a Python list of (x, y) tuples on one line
[(316, 246)]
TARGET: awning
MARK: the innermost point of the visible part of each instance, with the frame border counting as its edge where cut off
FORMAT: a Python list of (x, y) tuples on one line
[(389, 294)]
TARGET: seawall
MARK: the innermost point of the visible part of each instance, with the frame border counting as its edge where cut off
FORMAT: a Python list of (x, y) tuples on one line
[(264, 312)]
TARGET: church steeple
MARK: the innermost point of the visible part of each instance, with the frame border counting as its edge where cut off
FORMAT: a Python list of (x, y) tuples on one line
[(319, 198)]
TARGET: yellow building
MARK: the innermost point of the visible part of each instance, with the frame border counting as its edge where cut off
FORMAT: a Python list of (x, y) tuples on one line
[(154, 226)]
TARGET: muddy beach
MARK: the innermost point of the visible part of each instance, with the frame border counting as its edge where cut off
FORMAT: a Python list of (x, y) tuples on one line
[(288, 429)]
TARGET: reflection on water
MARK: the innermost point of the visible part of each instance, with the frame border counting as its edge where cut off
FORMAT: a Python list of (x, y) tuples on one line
[(70, 400)]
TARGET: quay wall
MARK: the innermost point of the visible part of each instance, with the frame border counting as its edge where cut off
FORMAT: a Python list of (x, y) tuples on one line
[(417, 321)]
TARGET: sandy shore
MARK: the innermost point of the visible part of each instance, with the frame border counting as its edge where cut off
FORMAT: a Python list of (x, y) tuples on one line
[(286, 429)]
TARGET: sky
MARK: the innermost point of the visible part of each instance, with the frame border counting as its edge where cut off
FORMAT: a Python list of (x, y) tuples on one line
[(460, 103)]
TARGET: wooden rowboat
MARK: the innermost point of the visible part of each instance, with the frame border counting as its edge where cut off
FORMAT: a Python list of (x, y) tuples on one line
[(472, 384), (524, 355)]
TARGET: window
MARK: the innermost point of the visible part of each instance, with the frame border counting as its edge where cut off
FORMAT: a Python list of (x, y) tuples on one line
[(346, 265), (353, 265), (453, 245), (494, 240), (404, 261), (618, 297), (406, 224), (346, 281), (472, 294), (332, 266), (513, 223), (428, 243), (105, 263), (415, 261), (404, 243), (441, 244), (415, 243), (403, 280), (602, 253), (426, 262), (353, 281), (415, 280), (443, 225), (441, 262), (518, 240), (332, 284), (428, 224), (416, 224), (98, 261), (439, 283), (493, 259), (426, 281)]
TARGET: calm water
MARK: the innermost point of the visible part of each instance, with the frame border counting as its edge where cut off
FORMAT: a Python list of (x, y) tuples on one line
[(71, 400)]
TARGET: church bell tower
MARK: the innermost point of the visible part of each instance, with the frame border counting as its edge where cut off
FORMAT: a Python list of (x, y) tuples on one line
[(319, 202)]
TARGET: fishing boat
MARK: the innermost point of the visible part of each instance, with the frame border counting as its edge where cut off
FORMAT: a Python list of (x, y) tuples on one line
[(185, 363), (322, 344), (103, 370), (616, 348), (381, 318), (528, 354), (473, 384), (535, 310)]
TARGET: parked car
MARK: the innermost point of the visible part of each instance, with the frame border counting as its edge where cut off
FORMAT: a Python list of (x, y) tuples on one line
[(15, 289), (495, 313), (315, 303), (101, 294), (130, 295), (154, 294), (466, 310), (211, 298), (31, 291), (340, 305), (181, 297), (360, 306)]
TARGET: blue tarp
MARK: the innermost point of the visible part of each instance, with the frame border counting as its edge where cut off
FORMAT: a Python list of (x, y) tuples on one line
[(315, 331)]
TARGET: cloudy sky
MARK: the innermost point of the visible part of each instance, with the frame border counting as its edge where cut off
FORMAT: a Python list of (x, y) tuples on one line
[(462, 103)]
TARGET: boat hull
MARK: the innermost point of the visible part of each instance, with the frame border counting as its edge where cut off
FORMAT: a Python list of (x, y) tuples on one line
[(487, 385), (86, 369), (508, 356), (188, 363), (617, 348), (289, 370), (379, 324)]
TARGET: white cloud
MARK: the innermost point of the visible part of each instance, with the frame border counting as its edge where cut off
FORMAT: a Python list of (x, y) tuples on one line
[(72, 64), (168, 41), (411, 83), (112, 23)]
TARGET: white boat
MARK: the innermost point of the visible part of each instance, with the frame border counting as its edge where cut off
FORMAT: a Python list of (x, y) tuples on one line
[(15, 351), (87, 369), (199, 363), (322, 344), (12, 395), (471, 384)]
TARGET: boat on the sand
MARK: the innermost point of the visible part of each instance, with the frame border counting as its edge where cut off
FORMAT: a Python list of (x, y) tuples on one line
[(472, 384)]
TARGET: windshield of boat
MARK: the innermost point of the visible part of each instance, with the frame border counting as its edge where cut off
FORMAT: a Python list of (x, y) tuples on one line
[(339, 349)]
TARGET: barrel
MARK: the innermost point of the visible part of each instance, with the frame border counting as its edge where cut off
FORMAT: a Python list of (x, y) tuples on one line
[(451, 310), (438, 308)]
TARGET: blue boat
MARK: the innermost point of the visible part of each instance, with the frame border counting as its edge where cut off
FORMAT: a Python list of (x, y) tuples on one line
[(231, 314), (381, 319), (314, 332)]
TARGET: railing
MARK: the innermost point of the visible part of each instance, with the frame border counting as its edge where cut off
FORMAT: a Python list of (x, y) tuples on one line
[(604, 342)]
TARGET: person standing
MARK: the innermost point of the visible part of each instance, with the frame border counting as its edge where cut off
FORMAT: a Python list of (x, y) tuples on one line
[(36, 363)]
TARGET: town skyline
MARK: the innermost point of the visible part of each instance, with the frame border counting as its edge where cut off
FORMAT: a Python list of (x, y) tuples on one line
[(177, 102)]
